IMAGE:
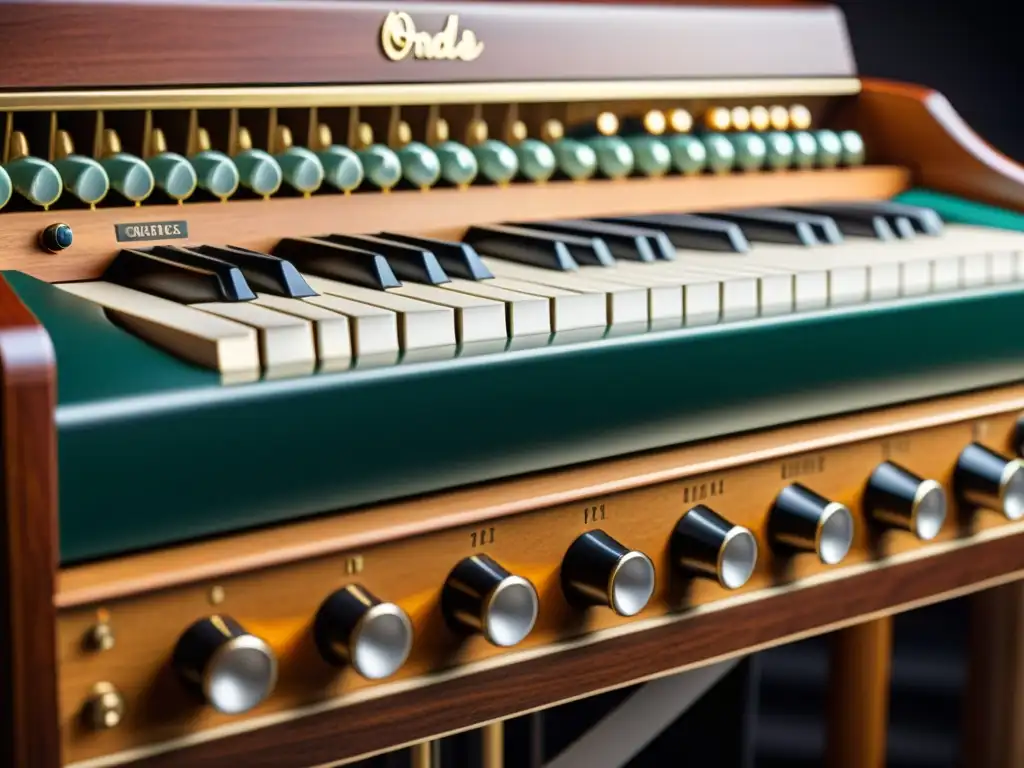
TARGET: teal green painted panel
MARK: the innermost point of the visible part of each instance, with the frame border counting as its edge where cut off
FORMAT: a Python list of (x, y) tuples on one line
[(151, 454), (956, 210)]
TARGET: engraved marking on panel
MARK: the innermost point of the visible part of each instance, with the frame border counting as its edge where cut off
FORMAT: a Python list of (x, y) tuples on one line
[(151, 230), (897, 446), (593, 514), (709, 489), (354, 565), (481, 537), (802, 466), (399, 38)]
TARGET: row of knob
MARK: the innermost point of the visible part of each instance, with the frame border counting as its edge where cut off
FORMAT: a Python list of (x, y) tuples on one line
[(304, 171), (234, 670)]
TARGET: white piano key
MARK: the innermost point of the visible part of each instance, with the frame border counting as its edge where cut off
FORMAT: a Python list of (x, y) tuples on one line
[(374, 331), (1003, 267), (476, 318), (570, 311), (702, 292), (526, 315), (626, 304), (287, 344), (739, 289), (420, 325), (331, 332), (212, 342), (664, 297)]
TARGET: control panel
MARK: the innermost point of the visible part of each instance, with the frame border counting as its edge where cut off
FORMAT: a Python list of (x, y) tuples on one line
[(191, 654)]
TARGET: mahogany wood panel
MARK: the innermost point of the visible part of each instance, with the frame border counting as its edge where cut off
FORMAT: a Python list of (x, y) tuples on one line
[(28, 541), (858, 691), (277, 602), (919, 129), (260, 224), (994, 704), (106, 43)]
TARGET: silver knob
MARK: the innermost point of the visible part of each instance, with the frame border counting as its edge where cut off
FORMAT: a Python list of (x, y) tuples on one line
[(354, 628), (802, 520), (481, 596), (986, 479), (898, 498), (233, 670), (597, 570), (706, 544)]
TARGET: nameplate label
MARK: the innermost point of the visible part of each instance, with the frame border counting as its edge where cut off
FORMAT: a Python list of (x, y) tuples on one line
[(151, 230), (400, 39)]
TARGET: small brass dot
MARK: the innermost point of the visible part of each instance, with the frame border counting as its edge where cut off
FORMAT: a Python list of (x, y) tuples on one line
[(655, 123), (518, 131), (740, 118), (718, 119), (441, 131), (799, 117), (403, 133), (680, 121), (364, 136), (607, 124), (760, 120), (552, 130), (779, 117), (216, 595)]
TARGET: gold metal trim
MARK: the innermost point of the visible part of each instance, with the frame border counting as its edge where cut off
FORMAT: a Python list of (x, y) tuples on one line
[(421, 94)]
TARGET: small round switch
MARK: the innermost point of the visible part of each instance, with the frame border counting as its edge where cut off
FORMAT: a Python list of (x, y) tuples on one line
[(232, 669), (105, 707), (481, 596), (804, 521), (354, 628), (56, 238), (706, 544), (984, 478), (900, 499), (597, 570)]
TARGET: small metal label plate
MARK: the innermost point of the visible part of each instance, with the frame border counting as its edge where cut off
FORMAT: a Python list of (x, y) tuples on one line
[(151, 230)]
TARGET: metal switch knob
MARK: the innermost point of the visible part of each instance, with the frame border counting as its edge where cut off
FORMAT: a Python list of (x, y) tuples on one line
[(984, 478), (705, 543), (481, 596), (233, 670), (802, 520), (898, 498), (355, 628), (597, 570)]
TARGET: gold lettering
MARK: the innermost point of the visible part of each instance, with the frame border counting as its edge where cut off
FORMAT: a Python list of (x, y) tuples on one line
[(399, 39)]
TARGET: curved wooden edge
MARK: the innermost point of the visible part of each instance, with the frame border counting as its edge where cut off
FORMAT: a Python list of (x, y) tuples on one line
[(918, 128), (29, 730), (447, 705)]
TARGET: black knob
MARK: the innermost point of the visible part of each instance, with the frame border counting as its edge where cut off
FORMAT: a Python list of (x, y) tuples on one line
[(705, 543), (233, 670), (986, 479), (56, 238), (354, 628), (898, 498), (597, 570), (481, 596), (804, 521)]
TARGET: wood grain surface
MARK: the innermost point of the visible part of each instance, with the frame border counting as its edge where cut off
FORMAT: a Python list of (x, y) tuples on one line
[(63, 43), (28, 541), (260, 224)]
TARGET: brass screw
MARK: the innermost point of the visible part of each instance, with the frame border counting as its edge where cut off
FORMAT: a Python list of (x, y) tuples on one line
[(105, 707)]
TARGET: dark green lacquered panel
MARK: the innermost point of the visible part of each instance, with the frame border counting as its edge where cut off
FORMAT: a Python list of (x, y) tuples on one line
[(152, 452), (956, 210)]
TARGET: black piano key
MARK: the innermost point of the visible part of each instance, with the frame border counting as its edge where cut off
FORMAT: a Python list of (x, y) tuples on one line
[(538, 249), (189, 278), (905, 220), (769, 226), (586, 250), (408, 262), (456, 259), (338, 262), (855, 222), (685, 230), (263, 272), (624, 242), (824, 227)]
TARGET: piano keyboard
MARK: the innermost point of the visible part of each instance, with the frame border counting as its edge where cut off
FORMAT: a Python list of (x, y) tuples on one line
[(328, 301)]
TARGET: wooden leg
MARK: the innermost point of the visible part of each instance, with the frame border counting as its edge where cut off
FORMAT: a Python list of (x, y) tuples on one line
[(994, 704), (858, 716), (493, 746)]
